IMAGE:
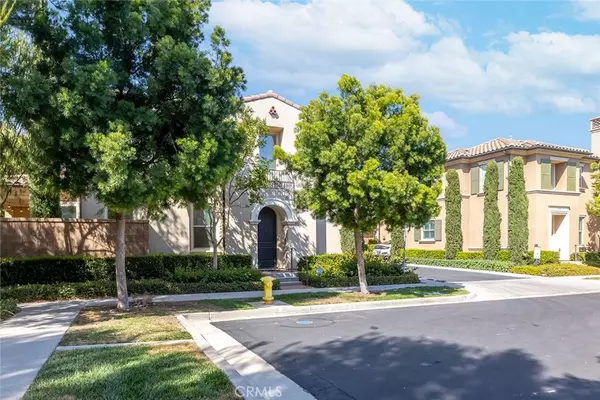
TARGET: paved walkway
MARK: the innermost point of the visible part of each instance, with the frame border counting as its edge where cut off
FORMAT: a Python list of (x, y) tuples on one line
[(27, 340)]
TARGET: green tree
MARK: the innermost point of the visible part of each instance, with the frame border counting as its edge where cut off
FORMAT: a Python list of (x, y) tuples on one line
[(491, 213), (347, 240), (128, 104), (397, 240), (245, 188), (593, 206), (518, 212), (365, 157), (453, 201)]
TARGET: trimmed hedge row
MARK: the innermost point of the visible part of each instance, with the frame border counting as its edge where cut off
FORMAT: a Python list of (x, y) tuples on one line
[(49, 269), (82, 290), (344, 265), (591, 258), (546, 256), (557, 270), (345, 281), (484, 265)]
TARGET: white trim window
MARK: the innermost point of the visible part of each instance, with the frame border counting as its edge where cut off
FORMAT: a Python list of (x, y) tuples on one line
[(580, 231), (200, 228), (428, 231), (69, 209)]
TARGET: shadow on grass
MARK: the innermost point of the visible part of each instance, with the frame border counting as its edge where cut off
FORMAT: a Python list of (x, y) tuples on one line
[(139, 372), (377, 366)]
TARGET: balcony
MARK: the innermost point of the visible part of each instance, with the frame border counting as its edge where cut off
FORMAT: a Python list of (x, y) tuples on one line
[(281, 185)]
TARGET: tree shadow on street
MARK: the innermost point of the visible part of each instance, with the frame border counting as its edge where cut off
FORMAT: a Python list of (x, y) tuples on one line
[(374, 366)]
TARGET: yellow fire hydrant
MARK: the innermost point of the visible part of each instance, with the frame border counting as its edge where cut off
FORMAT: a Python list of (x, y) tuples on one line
[(268, 288)]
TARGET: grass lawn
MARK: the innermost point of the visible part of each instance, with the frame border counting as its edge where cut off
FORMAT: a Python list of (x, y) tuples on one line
[(307, 299), (131, 372), (153, 322), (594, 279)]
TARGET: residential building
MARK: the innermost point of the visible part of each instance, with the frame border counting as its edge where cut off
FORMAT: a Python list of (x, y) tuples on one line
[(558, 183), (273, 232)]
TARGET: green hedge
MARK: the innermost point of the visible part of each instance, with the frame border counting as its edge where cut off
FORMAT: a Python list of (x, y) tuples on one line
[(8, 308), (546, 256), (565, 269), (50, 269), (98, 289), (344, 265), (344, 281), (485, 265), (591, 258), (470, 255)]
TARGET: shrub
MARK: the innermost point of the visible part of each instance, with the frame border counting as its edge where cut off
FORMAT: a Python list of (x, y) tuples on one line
[(454, 238), (491, 213), (469, 255), (183, 275), (565, 269), (372, 241), (344, 265), (422, 253), (50, 269), (347, 240), (518, 211), (8, 308), (397, 241), (82, 290), (344, 281), (485, 265), (591, 258)]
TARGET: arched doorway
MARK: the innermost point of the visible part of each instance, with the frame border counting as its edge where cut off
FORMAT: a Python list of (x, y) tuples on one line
[(267, 238)]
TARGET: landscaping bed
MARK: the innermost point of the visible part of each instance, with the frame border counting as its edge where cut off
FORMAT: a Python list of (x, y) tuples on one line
[(8, 308), (482, 265), (308, 299), (551, 270), (132, 372), (142, 323)]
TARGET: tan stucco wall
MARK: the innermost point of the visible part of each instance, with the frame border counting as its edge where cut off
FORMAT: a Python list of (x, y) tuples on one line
[(540, 204)]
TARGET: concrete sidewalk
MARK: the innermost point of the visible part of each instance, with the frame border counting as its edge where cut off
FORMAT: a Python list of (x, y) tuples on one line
[(27, 340)]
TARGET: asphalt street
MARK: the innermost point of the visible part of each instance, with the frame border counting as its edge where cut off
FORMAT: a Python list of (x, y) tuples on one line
[(448, 275), (536, 348)]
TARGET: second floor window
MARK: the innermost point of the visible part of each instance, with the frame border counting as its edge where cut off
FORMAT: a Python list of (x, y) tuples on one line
[(429, 231), (266, 149)]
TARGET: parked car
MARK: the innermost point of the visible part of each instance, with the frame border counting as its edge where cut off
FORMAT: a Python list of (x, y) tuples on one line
[(382, 250)]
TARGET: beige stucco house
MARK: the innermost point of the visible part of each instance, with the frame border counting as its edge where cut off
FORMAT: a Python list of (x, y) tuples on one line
[(558, 183), (273, 232)]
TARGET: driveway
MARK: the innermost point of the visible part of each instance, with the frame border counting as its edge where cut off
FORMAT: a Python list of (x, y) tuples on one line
[(537, 348), (449, 275)]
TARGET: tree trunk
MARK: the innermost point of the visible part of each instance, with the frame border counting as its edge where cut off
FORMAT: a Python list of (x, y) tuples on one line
[(360, 262), (215, 248), (122, 297)]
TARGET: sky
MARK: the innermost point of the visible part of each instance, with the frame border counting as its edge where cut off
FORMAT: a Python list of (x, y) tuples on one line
[(483, 69)]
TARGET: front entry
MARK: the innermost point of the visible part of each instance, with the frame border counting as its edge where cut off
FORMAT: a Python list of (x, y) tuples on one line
[(559, 232), (267, 238)]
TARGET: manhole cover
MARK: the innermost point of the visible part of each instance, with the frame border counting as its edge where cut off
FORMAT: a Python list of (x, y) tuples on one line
[(307, 323), (304, 322)]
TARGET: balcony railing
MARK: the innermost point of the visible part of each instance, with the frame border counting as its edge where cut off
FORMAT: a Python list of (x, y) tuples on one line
[(281, 184)]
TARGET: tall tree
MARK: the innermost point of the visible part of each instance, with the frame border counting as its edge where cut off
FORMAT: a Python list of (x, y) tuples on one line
[(491, 213), (453, 201), (365, 157), (245, 188), (518, 212), (128, 105)]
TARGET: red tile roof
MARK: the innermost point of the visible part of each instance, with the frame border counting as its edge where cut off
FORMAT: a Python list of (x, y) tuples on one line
[(500, 144), (270, 94)]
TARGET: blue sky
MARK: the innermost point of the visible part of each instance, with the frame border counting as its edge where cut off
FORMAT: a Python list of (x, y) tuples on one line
[(484, 69)]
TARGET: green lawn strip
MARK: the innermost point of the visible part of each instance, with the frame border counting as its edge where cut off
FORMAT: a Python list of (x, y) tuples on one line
[(306, 299), (133, 372), (142, 323), (593, 279)]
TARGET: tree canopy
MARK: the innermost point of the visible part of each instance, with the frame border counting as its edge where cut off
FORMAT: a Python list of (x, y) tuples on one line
[(367, 156)]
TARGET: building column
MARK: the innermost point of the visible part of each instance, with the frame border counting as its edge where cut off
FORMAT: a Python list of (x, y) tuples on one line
[(254, 242)]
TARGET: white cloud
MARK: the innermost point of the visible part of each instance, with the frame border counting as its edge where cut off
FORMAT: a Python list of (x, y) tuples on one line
[(588, 9), (309, 45), (448, 127)]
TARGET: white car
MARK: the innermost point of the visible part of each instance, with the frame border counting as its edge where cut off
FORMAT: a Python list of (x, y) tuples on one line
[(382, 250)]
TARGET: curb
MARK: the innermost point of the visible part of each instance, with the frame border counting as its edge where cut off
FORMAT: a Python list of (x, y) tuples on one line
[(104, 345), (286, 311)]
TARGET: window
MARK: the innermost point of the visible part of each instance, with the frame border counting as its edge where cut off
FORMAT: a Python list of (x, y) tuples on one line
[(581, 231), (200, 228), (266, 149), (69, 209), (429, 231), (481, 178)]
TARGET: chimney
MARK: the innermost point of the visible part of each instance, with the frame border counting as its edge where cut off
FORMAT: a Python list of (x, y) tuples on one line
[(595, 132)]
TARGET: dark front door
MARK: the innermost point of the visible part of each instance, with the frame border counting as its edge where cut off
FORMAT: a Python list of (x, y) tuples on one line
[(267, 238)]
